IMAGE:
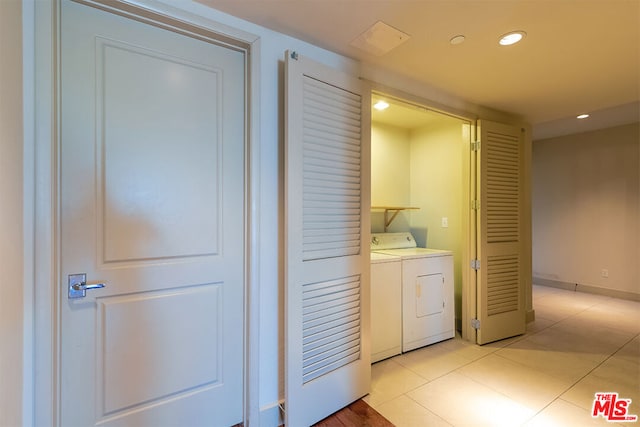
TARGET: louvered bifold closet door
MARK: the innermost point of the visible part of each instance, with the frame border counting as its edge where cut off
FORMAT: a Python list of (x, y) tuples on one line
[(500, 293), (327, 182)]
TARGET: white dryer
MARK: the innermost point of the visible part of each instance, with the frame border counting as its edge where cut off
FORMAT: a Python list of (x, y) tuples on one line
[(428, 314)]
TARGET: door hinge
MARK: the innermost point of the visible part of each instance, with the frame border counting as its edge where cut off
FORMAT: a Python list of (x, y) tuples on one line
[(475, 146), (475, 204), (294, 55), (475, 323), (475, 264)]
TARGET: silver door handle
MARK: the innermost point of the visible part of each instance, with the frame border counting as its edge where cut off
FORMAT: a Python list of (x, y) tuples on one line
[(78, 286), (85, 287)]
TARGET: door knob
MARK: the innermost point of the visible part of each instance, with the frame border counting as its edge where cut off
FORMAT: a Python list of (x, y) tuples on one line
[(78, 285)]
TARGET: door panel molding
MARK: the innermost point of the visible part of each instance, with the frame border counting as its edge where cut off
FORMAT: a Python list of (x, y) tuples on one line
[(45, 193), (117, 323)]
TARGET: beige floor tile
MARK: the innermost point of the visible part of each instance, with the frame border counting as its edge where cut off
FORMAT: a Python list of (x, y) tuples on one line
[(589, 324), (582, 299), (560, 364), (577, 301), (564, 414), (621, 370), (497, 345), (521, 383), (579, 344), (615, 375), (470, 351), (538, 325), (572, 337), (631, 350), (620, 315), (404, 412), (548, 308), (389, 380), (623, 305), (544, 291), (461, 401), (432, 362), (563, 303)]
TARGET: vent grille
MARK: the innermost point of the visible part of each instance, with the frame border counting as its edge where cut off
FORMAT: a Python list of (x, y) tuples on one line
[(331, 171), (502, 284), (503, 188), (330, 326)]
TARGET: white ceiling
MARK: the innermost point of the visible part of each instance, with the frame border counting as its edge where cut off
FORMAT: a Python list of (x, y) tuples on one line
[(578, 56)]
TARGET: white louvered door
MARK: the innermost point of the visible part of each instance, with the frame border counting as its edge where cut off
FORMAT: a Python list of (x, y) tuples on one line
[(327, 234), (500, 285)]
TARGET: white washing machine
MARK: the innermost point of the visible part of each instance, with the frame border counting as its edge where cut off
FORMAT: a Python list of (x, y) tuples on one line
[(386, 306), (428, 314)]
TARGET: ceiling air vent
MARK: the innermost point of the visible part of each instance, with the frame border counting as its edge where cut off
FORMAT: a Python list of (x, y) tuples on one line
[(379, 39)]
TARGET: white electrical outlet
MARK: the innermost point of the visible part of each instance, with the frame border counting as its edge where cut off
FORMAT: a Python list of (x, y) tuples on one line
[(445, 222), (604, 273)]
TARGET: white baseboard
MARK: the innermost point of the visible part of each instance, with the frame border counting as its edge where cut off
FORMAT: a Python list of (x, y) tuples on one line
[(586, 288), (272, 415)]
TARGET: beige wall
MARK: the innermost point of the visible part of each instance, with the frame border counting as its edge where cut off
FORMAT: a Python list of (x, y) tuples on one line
[(586, 210), (11, 225), (390, 174), (437, 188)]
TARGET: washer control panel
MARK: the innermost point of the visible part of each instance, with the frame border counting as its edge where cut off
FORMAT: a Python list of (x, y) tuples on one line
[(401, 240)]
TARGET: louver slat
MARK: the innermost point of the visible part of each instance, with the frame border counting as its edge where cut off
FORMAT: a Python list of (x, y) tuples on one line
[(330, 325), (502, 284), (331, 171), (503, 183)]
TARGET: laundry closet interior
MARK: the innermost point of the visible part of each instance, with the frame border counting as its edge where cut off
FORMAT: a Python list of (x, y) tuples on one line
[(420, 168)]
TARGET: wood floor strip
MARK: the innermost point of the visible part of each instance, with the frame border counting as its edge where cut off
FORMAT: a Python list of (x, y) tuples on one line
[(358, 414)]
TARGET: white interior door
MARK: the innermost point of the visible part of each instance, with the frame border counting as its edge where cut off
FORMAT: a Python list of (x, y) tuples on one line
[(500, 278), (152, 205), (327, 241)]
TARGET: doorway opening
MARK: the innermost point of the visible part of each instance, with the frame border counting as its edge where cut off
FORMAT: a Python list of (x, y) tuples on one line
[(420, 160)]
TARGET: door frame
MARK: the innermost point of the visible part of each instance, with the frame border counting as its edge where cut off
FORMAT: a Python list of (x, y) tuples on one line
[(42, 187)]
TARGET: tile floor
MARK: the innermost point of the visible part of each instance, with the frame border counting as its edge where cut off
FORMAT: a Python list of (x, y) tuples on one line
[(578, 345)]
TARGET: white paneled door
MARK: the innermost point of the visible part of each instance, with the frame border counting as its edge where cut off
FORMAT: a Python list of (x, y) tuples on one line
[(327, 241), (500, 224), (152, 206)]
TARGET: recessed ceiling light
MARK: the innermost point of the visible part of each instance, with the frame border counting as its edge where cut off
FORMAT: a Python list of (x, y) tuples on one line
[(457, 39), (381, 105), (511, 38), (582, 116)]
